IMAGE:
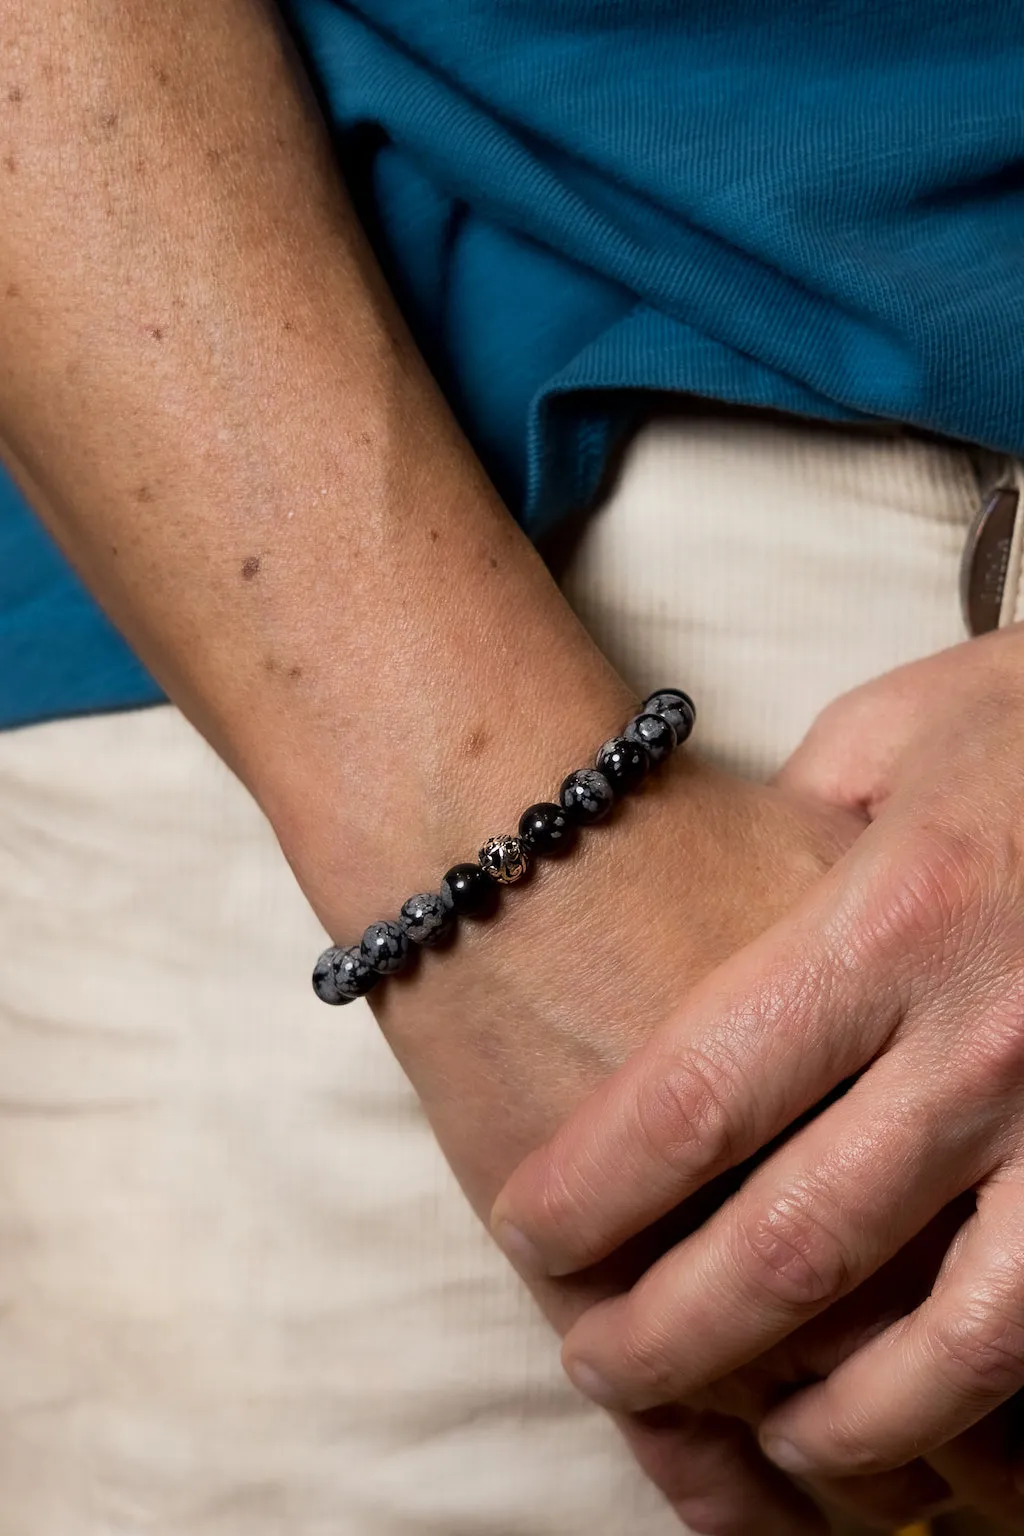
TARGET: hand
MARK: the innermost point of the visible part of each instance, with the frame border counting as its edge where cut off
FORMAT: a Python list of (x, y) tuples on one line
[(901, 973), (508, 1032)]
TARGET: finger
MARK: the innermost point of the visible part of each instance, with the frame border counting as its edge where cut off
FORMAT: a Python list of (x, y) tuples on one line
[(930, 1377), (715, 1478), (809, 1226), (890, 1499), (982, 1465), (757, 1044)]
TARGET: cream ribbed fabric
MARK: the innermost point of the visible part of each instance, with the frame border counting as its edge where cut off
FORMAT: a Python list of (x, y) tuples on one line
[(242, 1294)]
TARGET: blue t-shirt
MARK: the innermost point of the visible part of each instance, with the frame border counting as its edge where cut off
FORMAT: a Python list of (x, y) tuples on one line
[(814, 207)]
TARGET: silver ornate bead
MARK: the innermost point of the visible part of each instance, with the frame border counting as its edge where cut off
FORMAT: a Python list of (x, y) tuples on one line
[(504, 859)]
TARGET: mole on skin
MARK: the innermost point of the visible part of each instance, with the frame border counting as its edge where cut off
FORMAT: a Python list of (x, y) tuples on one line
[(251, 568)]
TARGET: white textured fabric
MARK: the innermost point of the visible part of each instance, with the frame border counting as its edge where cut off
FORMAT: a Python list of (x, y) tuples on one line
[(241, 1293)]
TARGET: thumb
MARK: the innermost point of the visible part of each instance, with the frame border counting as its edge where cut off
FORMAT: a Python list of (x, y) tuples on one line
[(849, 756)]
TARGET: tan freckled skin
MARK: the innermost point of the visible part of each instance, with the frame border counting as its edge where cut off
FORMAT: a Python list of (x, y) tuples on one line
[(251, 568)]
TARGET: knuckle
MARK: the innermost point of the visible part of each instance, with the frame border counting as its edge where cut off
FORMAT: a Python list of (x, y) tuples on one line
[(981, 1350), (851, 1445), (563, 1202), (793, 1258), (994, 1052), (647, 1361), (688, 1114), (932, 888)]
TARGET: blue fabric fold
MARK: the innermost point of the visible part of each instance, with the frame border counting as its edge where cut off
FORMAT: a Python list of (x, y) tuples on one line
[(814, 209)]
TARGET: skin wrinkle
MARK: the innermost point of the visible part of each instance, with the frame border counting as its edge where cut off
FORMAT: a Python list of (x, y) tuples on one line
[(934, 894), (242, 425)]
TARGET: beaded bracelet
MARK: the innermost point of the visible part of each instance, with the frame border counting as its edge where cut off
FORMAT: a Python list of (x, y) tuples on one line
[(665, 720)]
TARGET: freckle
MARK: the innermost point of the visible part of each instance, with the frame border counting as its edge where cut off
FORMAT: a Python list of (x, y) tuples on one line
[(12, 291), (475, 742), (113, 550), (289, 326), (214, 156), (366, 438), (434, 535), (295, 672), (162, 77), (10, 164), (493, 563), (140, 165), (111, 120), (250, 568), (143, 493), (16, 95), (47, 70), (157, 332), (269, 664), (177, 302)]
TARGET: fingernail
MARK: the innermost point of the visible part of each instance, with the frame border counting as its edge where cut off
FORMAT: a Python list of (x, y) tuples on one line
[(787, 1456), (591, 1383), (524, 1255)]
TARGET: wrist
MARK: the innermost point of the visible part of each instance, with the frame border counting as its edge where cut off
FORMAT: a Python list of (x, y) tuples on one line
[(447, 769)]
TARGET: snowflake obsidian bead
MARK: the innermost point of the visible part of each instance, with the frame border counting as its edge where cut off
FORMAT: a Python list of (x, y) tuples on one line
[(655, 735), (586, 795), (468, 892), (342, 975), (385, 947), (625, 764), (547, 829), (504, 859), (675, 706), (425, 919)]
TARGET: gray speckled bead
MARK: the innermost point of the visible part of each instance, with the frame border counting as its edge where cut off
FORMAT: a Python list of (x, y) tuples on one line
[(385, 947), (586, 795), (425, 919), (324, 984), (653, 732), (342, 975), (675, 706)]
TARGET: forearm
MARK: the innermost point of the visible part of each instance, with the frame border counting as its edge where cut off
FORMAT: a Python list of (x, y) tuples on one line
[(209, 395)]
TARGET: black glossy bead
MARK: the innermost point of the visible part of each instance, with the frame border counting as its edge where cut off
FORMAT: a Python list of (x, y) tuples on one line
[(675, 706), (625, 764), (547, 829), (342, 975), (468, 892), (653, 732), (586, 795), (385, 947), (425, 919)]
